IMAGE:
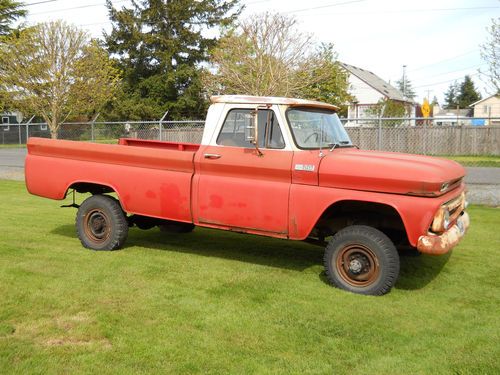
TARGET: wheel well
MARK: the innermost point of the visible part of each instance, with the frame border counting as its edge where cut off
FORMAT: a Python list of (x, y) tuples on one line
[(90, 187), (377, 215)]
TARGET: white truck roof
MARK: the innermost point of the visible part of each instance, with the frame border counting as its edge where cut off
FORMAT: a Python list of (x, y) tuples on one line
[(292, 102)]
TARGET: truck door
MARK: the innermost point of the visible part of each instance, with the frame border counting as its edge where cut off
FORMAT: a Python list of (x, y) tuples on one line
[(237, 186)]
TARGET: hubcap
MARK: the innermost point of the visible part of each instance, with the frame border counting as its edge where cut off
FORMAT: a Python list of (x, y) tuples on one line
[(357, 265), (96, 226)]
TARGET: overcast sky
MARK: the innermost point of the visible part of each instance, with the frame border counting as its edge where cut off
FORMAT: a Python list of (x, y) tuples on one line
[(438, 40)]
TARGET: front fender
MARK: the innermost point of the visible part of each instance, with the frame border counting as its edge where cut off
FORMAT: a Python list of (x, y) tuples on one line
[(309, 202)]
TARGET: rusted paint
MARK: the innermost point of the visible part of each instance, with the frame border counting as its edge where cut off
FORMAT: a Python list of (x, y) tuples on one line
[(438, 245), (455, 207)]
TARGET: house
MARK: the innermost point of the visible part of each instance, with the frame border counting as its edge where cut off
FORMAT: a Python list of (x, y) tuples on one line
[(13, 128), (8, 118), (487, 109), (368, 89), (451, 117)]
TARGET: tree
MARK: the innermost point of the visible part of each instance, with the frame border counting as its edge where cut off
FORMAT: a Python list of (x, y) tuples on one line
[(333, 87), (490, 52), (467, 93), (406, 87), (160, 45), (10, 11), (267, 55), (450, 96), (434, 101), (388, 108), (57, 71)]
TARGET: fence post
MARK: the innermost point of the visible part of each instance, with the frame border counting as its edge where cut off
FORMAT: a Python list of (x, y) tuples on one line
[(161, 126), (27, 127), (92, 127), (379, 141), (424, 139)]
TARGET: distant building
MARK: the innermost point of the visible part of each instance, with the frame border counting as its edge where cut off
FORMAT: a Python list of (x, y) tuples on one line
[(368, 89), (487, 109), (451, 117)]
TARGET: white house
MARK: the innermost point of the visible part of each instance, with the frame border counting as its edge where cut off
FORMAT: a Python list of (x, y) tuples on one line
[(368, 89), (488, 109)]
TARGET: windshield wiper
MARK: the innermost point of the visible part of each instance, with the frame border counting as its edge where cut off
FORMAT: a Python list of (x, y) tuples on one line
[(340, 144)]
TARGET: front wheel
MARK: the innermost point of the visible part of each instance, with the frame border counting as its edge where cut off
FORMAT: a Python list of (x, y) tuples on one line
[(362, 260), (101, 223)]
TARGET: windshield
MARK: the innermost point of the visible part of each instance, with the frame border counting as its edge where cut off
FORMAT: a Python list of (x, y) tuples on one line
[(316, 128)]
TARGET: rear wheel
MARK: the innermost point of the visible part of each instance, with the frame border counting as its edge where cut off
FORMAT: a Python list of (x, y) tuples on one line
[(101, 223), (363, 260)]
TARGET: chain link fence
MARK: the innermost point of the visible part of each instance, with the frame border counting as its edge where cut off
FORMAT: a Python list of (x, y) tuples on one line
[(470, 141)]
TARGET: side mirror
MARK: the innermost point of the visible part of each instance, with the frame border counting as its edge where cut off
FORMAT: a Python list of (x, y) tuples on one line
[(251, 128)]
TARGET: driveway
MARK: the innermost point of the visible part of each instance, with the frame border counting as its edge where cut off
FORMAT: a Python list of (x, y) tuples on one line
[(12, 163)]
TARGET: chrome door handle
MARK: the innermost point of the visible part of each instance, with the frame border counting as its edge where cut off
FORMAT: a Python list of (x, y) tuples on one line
[(212, 156)]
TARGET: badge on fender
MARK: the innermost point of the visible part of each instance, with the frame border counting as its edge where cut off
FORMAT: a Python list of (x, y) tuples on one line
[(304, 167)]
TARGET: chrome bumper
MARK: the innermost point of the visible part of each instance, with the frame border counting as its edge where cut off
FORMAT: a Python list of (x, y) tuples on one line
[(441, 244)]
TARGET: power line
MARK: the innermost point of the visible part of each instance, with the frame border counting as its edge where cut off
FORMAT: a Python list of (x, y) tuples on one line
[(447, 81), (400, 11), (326, 6), (458, 70), (77, 7), (39, 2), (444, 60)]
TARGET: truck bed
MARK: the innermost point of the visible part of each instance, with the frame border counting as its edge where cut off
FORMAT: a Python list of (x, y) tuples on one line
[(151, 178)]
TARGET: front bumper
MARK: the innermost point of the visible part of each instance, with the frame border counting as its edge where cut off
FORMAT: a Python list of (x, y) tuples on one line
[(441, 244)]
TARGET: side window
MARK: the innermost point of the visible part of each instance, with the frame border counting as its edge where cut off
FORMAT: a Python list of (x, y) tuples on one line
[(5, 122), (233, 129)]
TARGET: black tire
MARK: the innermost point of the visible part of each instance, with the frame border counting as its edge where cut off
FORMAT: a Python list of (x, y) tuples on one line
[(362, 260), (101, 223), (176, 227)]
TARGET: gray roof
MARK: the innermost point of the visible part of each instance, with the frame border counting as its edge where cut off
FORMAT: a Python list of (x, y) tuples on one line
[(460, 112), (376, 83)]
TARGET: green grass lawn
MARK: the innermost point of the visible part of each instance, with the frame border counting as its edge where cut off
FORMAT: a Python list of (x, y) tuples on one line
[(217, 302), (13, 145), (475, 160)]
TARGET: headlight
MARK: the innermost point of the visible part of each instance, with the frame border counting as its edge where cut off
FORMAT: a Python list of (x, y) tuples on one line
[(446, 219), (441, 220)]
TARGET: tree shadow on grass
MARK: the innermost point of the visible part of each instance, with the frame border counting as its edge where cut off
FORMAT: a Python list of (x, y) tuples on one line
[(271, 252), (416, 271)]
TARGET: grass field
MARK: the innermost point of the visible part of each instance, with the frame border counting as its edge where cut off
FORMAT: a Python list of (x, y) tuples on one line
[(217, 302), (475, 160)]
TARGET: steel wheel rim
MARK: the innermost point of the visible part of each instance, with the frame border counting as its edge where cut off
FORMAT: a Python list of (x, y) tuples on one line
[(357, 265), (96, 226)]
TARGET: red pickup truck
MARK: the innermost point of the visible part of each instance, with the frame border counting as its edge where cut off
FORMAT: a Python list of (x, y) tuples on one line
[(270, 166)]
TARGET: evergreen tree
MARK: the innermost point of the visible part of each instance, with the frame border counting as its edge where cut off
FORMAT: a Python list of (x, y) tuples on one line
[(434, 101), (159, 45), (406, 87), (467, 93), (10, 11), (450, 96)]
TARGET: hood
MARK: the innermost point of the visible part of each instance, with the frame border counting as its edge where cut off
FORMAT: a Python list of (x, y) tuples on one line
[(389, 172)]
